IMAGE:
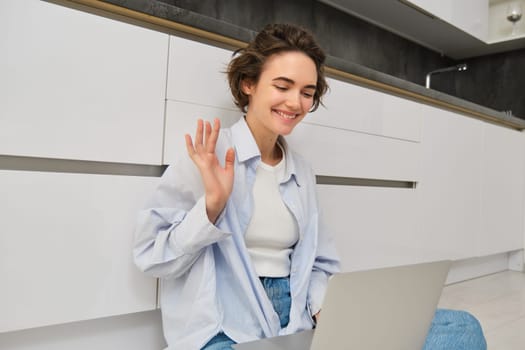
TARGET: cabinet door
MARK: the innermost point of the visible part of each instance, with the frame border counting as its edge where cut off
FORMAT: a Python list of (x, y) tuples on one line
[(196, 74), (373, 227), (502, 195), (450, 184), (79, 86), (66, 248), (471, 16), (356, 108), (336, 152)]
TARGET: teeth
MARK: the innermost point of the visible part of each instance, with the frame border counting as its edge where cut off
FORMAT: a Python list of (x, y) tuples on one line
[(287, 116)]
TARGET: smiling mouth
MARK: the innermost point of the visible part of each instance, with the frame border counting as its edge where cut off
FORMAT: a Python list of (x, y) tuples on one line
[(286, 115)]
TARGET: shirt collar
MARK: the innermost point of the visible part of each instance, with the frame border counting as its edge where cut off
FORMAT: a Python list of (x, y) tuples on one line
[(290, 170), (244, 143), (246, 148)]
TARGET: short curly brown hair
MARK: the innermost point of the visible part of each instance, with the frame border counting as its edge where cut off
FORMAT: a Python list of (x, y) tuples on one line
[(273, 39)]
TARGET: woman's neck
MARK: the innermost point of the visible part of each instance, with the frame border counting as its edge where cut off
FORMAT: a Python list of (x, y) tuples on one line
[(267, 142), (273, 156), (271, 153)]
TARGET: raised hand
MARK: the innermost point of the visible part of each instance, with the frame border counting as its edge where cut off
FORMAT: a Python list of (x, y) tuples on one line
[(217, 180)]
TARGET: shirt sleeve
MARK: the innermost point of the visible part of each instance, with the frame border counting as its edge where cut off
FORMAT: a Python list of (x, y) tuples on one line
[(326, 263), (172, 233)]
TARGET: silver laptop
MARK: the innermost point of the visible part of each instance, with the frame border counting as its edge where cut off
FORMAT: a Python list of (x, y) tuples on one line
[(390, 308)]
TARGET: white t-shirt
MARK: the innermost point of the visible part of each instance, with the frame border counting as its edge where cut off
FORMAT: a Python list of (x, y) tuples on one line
[(273, 230)]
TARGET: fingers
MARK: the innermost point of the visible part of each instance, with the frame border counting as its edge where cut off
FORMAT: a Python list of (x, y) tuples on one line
[(198, 135), (207, 133), (205, 138), (211, 138), (229, 160), (189, 145)]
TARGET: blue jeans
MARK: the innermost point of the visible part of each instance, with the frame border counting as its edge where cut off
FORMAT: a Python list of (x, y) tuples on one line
[(278, 290), (450, 329)]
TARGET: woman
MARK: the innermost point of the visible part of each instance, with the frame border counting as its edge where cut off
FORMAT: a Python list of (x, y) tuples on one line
[(239, 246)]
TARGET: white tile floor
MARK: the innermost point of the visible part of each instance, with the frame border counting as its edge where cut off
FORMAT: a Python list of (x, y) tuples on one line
[(498, 301)]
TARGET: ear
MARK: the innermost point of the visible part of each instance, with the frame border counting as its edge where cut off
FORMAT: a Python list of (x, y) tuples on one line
[(247, 87)]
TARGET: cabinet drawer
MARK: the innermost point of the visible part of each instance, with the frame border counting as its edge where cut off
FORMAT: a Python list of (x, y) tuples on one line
[(356, 108), (66, 248), (79, 86), (336, 152), (373, 227), (196, 74)]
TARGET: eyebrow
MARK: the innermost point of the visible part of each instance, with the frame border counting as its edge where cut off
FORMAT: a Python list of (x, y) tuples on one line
[(290, 81)]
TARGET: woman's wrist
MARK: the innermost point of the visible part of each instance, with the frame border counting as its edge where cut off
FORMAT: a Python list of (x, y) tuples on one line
[(213, 211)]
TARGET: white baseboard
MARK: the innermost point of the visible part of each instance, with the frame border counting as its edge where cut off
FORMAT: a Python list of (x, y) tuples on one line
[(136, 331), (463, 270), (516, 261)]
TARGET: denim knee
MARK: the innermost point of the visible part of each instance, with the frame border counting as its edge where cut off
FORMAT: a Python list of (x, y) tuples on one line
[(455, 329), (458, 318)]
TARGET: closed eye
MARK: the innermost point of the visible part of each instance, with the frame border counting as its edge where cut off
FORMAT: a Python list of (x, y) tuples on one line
[(308, 94)]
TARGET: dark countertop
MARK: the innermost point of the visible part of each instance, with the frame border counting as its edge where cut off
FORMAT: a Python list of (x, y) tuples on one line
[(158, 12)]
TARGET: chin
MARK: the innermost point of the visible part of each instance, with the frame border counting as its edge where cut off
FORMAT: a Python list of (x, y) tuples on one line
[(286, 131)]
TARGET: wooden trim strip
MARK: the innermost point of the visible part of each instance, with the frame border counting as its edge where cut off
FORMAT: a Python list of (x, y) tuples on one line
[(162, 22), (398, 91)]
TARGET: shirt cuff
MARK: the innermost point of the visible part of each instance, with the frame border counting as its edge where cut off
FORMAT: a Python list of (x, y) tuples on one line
[(196, 231)]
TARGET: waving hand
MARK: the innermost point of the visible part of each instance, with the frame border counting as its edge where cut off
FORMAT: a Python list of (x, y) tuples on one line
[(217, 180)]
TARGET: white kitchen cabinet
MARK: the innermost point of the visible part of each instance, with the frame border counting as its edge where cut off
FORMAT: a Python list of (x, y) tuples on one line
[(344, 153), (503, 190), (373, 227), (196, 74), (66, 248), (472, 186), (356, 108), (181, 119), (79, 86), (450, 185), (500, 29), (138, 331), (391, 122), (348, 106), (468, 202), (471, 16)]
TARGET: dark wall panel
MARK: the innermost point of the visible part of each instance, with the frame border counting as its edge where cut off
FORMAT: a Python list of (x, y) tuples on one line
[(492, 81)]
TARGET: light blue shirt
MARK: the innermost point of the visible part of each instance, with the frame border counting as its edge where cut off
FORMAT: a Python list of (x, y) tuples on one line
[(208, 283)]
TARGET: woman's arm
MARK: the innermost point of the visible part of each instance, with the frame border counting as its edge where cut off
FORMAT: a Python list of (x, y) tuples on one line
[(179, 224)]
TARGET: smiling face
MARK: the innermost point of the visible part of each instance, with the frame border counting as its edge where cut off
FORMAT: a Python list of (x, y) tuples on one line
[(282, 96)]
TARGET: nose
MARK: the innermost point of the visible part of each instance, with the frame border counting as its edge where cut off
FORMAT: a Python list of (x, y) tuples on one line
[(294, 100)]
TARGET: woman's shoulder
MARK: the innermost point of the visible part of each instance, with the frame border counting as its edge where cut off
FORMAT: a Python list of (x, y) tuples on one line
[(301, 164)]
